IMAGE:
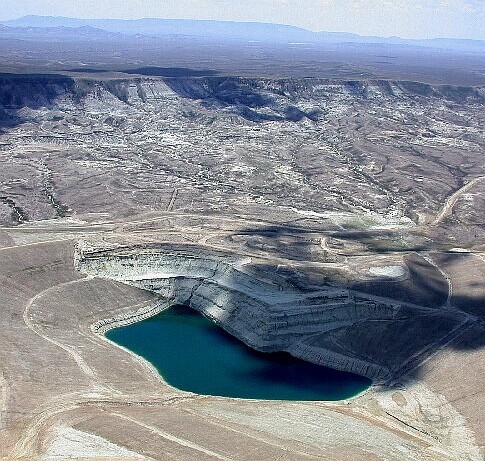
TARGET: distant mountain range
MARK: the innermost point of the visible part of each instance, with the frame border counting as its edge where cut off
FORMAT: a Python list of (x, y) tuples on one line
[(57, 33), (48, 27)]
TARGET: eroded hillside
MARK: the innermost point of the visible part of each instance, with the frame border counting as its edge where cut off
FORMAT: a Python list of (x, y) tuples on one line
[(393, 151)]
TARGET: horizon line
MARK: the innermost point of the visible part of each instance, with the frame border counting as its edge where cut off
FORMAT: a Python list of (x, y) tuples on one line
[(244, 22)]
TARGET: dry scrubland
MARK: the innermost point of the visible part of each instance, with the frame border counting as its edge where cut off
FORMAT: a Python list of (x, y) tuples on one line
[(341, 221)]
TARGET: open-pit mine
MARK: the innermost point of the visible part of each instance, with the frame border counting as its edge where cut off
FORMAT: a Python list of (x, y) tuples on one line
[(339, 221)]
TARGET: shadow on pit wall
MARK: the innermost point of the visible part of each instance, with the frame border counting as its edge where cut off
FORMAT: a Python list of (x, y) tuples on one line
[(415, 332)]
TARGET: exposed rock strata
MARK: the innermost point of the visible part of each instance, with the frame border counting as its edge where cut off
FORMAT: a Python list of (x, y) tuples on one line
[(335, 327)]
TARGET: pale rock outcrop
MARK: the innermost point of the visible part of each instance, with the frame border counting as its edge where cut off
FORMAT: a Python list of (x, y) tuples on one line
[(264, 310)]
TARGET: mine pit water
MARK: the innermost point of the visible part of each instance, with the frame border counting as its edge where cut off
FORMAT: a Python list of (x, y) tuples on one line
[(193, 354)]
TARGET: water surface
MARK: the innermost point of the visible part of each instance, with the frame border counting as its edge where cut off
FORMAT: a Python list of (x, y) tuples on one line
[(194, 354)]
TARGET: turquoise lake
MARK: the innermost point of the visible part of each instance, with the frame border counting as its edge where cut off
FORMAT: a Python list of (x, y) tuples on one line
[(194, 354)]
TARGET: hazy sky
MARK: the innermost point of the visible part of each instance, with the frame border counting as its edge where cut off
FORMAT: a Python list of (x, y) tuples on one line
[(406, 18)]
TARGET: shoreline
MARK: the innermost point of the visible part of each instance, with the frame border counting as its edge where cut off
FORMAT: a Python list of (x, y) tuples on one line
[(101, 327)]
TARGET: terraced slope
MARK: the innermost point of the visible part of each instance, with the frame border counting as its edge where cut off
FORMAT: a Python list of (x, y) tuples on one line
[(340, 328)]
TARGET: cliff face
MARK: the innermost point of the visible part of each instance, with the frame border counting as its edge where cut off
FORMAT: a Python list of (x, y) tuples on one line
[(333, 327), (246, 90), (246, 96)]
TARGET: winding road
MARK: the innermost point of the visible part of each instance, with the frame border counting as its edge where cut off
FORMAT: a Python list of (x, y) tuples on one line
[(452, 199)]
